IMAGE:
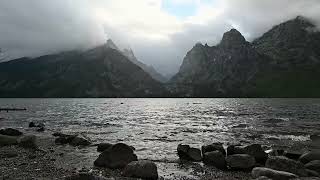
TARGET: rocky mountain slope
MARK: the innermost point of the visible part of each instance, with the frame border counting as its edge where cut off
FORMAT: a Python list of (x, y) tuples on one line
[(130, 55), (99, 72), (282, 63)]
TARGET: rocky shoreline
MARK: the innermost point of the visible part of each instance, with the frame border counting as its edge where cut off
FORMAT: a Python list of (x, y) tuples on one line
[(39, 154)]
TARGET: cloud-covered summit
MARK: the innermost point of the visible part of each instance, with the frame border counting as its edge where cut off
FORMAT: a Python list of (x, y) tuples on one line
[(157, 35)]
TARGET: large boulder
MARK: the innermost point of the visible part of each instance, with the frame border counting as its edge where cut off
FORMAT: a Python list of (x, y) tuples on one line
[(103, 146), (215, 158), (313, 165), (254, 150), (240, 161), (310, 156), (80, 141), (141, 169), (185, 152), (257, 152), (115, 157), (295, 155), (8, 140), (28, 141), (85, 176), (213, 147), (10, 132), (315, 137), (282, 163), (272, 174)]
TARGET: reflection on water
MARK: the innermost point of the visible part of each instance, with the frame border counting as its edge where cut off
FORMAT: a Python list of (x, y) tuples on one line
[(156, 126)]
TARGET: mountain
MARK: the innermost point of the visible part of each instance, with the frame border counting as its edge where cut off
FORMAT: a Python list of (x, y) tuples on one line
[(281, 63), (99, 72), (149, 69)]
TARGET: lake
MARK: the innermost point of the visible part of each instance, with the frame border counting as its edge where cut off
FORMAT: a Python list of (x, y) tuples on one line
[(156, 126)]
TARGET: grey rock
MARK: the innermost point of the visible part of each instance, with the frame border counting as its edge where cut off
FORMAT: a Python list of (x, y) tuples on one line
[(310, 156), (240, 161), (271, 173), (213, 147), (315, 137), (313, 165), (295, 155), (185, 152), (282, 163), (215, 158), (117, 156), (312, 173), (28, 141), (103, 146), (79, 141), (10, 132), (8, 140), (141, 169), (232, 149), (257, 152)]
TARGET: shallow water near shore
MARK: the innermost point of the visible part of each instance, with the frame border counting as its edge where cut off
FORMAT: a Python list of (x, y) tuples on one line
[(156, 126)]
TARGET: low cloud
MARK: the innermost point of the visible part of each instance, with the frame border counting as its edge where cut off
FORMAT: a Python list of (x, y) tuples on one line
[(36, 27)]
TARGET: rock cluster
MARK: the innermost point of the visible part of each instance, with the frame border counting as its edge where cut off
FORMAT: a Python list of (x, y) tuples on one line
[(74, 140)]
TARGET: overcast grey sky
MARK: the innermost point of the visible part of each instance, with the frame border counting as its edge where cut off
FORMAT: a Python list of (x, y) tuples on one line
[(159, 31)]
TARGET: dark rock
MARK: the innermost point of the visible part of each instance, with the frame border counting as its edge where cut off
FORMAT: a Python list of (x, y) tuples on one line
[(7, 140), (79, 141), (232, 149), (295, 155), (141, 169), (312, 173), (215, 158), (310, 156), (315, 137), (103, 146), (257, 152), (185, 152), (213, 147), (313, 165), (32, 124), (275, 152), (240, 161), (10, 132), (85, 176), (41, 129), (282, 163), (254, 150), (28, 142), (273, 174), (117, 156), (10, 154)]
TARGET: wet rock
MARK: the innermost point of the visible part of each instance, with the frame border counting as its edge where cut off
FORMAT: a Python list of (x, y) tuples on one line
[(33, 125), (295, 155), (254, 150), (232, 149), (310, 156), (240, 161), (117, 156), (28, 142), (79, 141), (10, 154), (213, 147), (103, 146), (257, 152), (41, 129), (65, 139), (141, 169), (275, 152), (85, 176), (313, 165), (185, 152), (282, 163), (273, 174), (215, 158), (263, 178), (10, 132), (312, 173), (7, 140)]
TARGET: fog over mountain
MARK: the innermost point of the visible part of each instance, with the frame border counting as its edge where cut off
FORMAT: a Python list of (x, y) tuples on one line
[(155, 30)]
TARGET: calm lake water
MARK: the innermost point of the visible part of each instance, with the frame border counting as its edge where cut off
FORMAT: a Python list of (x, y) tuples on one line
[(156, 126)]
